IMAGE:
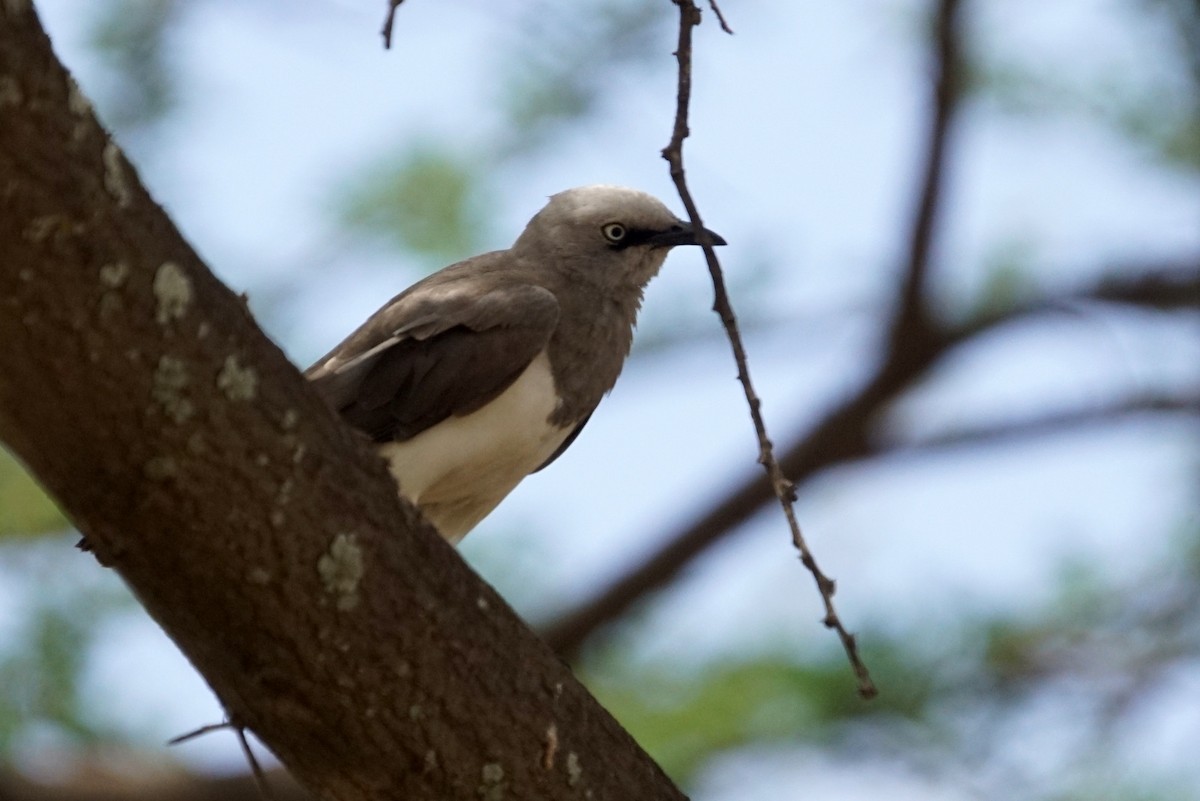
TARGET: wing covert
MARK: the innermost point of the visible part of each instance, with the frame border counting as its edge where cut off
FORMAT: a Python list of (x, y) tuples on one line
[(435, 351)]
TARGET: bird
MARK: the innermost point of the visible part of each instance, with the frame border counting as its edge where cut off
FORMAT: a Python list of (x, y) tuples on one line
[(487, 370)]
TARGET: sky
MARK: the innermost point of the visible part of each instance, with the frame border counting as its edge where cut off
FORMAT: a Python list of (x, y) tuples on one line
[(806, 130)]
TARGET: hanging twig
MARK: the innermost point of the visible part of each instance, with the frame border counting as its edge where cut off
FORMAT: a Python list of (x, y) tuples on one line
[(388, 22), (260, 776), (689, 17), (720, 17)]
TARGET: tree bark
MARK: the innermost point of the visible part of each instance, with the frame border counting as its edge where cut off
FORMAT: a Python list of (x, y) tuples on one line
[(260, 532)]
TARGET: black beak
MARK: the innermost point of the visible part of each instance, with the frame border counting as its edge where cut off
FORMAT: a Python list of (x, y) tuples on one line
[(683, 234)]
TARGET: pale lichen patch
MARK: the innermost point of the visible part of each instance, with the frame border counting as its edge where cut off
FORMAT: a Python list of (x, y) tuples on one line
[(341, 569), (81, 107), (39, 229), (77, 101), (10, 91), (574, 769), (172, 291), (115, 180), (491, 786), (259, 576), (114, 275), (237, 382), (170, 381), (289, 420)]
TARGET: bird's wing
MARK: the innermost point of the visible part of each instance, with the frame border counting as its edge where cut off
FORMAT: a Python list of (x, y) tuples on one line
[(441, 349), (566, 443)]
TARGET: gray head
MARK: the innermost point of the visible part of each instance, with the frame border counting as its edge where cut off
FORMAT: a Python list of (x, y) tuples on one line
[(611, 235)]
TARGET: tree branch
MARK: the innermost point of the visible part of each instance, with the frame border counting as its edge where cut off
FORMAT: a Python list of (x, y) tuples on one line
[(388, 22), (1043, 425), (947, 80), (259, 531), (842, 435), (689, 18)]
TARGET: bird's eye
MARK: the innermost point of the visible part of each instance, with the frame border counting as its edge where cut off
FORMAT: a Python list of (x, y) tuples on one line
[(613, 232)]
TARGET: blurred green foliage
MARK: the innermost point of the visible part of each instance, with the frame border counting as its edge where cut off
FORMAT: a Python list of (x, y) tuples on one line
[(133, 39), (567, 61), (1102, 645), (684, 716), (426, 200), (45, 650), (25, 510), (1157, 109)]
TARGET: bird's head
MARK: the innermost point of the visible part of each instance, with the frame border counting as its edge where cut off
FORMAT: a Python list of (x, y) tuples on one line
[(612, 235)]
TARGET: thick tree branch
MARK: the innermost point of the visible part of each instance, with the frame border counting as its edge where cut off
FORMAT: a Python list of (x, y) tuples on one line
[(259, 532)]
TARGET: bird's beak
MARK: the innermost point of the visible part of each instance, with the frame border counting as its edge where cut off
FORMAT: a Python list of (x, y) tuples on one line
[(683, 234)]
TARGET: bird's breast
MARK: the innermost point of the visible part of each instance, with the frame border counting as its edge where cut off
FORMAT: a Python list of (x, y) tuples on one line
[(461, 468)]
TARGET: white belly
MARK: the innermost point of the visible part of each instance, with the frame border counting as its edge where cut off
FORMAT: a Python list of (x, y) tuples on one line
[(459, 470)]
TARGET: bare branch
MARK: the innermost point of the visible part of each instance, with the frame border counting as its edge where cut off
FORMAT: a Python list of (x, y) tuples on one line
[(1043, 425), (388, 22), (946, 92), (844, 435), (720, 17), (1173, 286), (785, 492), (260, 777)]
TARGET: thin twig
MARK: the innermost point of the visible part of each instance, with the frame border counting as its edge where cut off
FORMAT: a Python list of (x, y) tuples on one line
[(260, 777), (388, 22), (200, 732), (720, 17), (785, 491)]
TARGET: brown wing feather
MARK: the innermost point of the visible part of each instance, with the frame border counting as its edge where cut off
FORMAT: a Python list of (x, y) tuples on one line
[(440, 349)]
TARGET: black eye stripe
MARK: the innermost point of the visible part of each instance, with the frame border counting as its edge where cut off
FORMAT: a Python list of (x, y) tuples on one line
[(633, 236)]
